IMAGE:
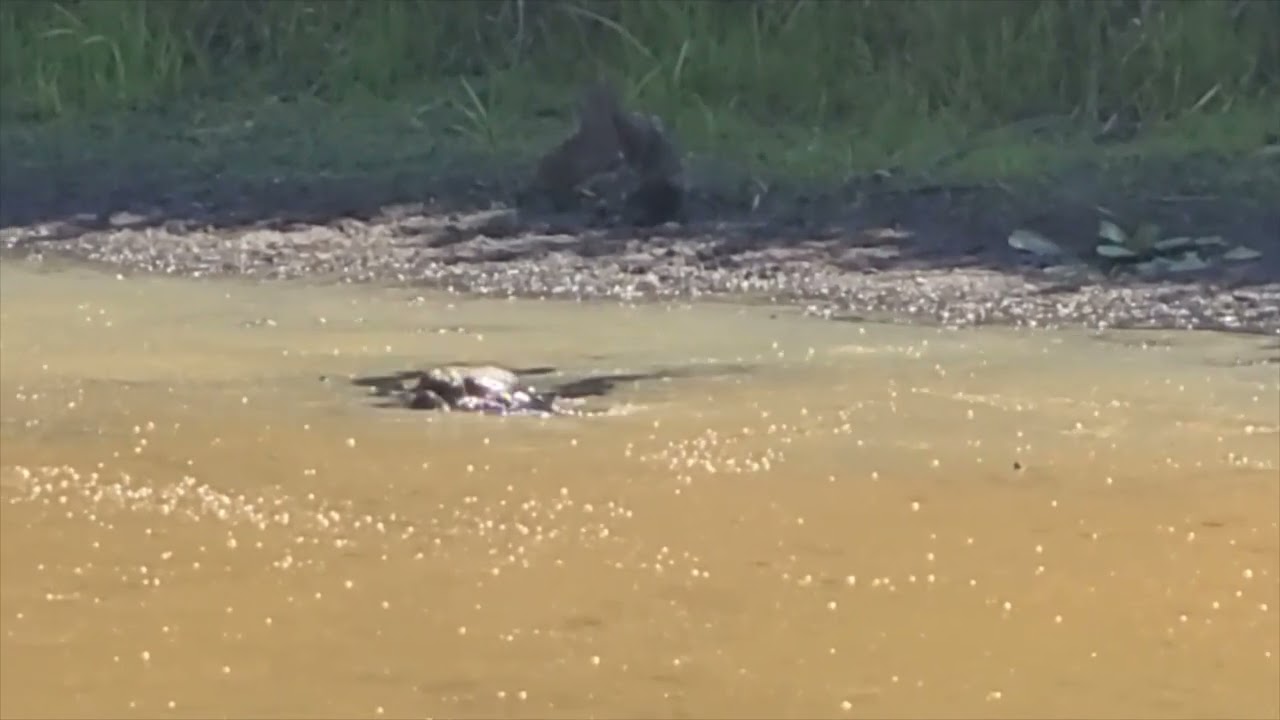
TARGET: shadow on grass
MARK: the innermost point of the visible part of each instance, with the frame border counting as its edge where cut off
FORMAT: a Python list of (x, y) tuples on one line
[(228, 173)]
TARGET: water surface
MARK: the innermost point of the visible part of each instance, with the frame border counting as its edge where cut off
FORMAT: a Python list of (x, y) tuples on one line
[(819, 519)]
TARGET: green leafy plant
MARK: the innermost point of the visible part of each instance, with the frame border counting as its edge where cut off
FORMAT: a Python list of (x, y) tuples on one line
[(478, 125), (1148, 252), (824, 90)]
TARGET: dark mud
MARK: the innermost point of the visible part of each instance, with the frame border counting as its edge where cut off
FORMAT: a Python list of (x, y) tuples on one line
[(936, 254)]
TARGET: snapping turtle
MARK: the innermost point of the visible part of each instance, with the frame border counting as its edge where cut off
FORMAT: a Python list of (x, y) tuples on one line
[(483, 388), (496, 390)]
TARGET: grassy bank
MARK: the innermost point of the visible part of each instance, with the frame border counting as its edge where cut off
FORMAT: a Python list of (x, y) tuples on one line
[(831, 89)]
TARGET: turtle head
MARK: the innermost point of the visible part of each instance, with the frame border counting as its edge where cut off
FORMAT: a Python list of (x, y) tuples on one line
[(422, 398)]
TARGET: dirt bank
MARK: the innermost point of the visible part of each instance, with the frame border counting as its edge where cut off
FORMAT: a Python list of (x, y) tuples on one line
[(935, 254)]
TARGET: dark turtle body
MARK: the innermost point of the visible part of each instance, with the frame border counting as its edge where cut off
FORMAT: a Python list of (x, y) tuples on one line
[(483, 388), (497, 390)]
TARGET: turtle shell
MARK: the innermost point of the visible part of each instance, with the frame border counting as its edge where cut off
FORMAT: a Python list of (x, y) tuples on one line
[(482, 388), (488, 381)]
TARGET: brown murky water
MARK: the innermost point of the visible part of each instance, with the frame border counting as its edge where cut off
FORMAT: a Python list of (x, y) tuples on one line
[(868, 521)]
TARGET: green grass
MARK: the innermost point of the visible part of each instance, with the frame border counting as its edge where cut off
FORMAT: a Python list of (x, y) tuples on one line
[(810, 88)]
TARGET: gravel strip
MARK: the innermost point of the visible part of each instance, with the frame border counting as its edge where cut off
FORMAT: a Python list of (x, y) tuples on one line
[(835, 278)]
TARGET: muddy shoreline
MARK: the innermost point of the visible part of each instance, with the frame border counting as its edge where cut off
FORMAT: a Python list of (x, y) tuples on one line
[(927, 255)]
